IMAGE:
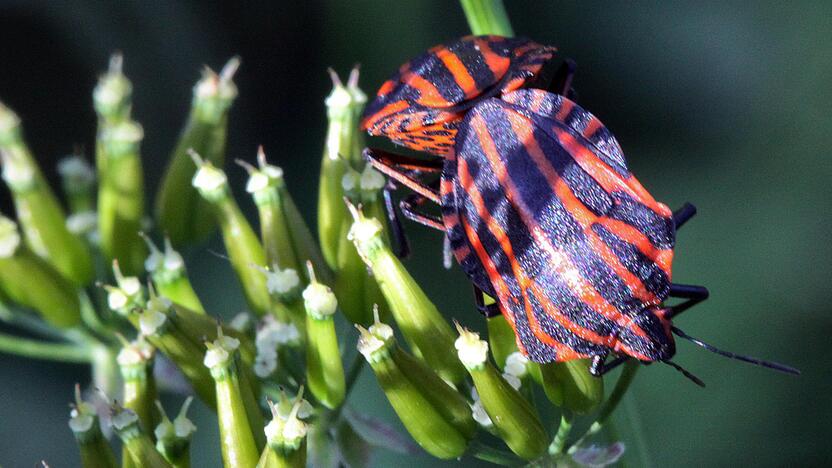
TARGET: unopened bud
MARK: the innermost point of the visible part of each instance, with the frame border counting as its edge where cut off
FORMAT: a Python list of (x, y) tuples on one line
[(30, 281), (514, 419), (180, 210), (424, 328)]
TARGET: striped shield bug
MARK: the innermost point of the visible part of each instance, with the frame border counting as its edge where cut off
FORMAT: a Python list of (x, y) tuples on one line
[(537, 202)]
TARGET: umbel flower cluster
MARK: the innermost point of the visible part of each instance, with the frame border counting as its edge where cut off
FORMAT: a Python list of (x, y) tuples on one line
[(96, 281)]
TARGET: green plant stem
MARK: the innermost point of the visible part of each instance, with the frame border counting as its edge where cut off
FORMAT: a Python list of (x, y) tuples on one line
[(621, 387), (43, 350), (638, 432), (352, 376), (353, 372), (564, 428), (487, 17), (493, 455)]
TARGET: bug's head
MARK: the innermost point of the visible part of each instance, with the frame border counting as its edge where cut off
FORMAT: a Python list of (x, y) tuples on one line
[(422, 103), (651, 336)]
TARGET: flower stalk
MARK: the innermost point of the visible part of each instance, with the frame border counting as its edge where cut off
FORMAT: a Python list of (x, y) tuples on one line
[(434, 413), (180, 211), (237, 439), (54, 298), (324, 370), (513, 417), (487, 17), (425, 330), (39, 213), (243, 246), (121, 203)]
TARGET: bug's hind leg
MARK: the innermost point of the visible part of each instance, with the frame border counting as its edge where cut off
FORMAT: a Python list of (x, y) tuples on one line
[(599, 366), (401, 168), (408, 207), (487, 310), (693, 294), (683, 214)]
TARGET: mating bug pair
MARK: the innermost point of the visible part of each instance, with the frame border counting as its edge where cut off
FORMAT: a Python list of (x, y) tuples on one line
[(537, 202)]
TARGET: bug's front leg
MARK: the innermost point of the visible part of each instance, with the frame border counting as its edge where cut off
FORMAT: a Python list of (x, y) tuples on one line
[(693, 294), (683, 214)]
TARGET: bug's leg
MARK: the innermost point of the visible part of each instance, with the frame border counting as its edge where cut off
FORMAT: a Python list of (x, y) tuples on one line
[(400, 168), (599, 367), (562, 83), (693, 294), (487, 310), (683, 214), (396, 228), (408, 207)]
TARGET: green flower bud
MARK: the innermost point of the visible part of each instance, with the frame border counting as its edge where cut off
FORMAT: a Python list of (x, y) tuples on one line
[(514, 419), (324, 371), (29, 281), (501, 339), (112, 97), (180, 211), (286, 433), (121, 194), (85, 426), (237, 440), (343, 146), (570, 385), (241, 243), (263, 183), (434, 413), (137, 443), (135, 360), (78, 183), (170, 277), (355, 287), (426, 331), (173, 438), (40, 214)]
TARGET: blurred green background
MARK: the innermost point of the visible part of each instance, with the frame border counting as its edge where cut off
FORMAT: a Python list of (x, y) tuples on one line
[(725, 104)]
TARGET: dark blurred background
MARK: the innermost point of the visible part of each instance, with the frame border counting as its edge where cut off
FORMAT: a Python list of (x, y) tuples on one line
[(725, 104)]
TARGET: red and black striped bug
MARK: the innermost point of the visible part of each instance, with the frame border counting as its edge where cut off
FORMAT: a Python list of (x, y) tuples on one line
[(536, 201)]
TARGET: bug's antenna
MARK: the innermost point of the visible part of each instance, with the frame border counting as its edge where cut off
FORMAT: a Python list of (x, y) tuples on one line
[(739, 357), (686, 373)]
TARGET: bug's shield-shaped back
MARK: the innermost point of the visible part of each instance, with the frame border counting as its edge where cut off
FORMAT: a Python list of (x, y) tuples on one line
[(422, 104), (573, 246)]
